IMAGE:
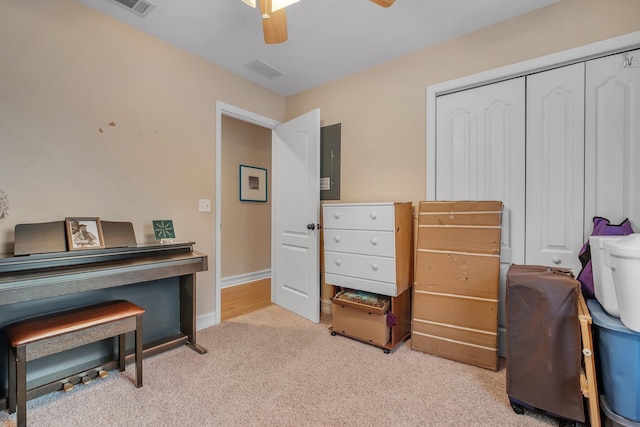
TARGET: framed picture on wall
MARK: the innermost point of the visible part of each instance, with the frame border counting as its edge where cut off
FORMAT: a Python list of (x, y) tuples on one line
[(253, 184), (84, 233)]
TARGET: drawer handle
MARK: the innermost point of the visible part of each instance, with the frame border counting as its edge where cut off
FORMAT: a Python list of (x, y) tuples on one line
[(336, 215), (373, 215), (374, 241), (337, 239), (338, 262), (374, 267), (556, 260)]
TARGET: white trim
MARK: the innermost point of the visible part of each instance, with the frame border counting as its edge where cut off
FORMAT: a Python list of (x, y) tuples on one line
[(206, 320), (241, 279), (582, 53), (223, 109)]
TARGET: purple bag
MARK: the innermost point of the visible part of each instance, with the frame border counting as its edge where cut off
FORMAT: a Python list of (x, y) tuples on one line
[(601, 227)]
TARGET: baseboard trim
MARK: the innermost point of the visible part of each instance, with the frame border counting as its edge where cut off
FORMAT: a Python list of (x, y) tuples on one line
[(325, 306), (205, 320), (241, 279)]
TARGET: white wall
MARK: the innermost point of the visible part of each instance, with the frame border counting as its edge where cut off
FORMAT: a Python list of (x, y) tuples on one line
[(99, 119)]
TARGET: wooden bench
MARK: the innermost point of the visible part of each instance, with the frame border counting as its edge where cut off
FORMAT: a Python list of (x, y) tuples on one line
[(40, 336)]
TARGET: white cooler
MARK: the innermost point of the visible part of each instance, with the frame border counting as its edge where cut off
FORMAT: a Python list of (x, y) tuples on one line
[(623, 257), (603, 286)]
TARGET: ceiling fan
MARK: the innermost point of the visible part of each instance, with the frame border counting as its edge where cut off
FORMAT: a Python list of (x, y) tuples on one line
[(274, 17)]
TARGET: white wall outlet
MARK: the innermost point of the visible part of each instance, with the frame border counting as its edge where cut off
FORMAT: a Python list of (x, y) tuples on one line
[(204, 205)]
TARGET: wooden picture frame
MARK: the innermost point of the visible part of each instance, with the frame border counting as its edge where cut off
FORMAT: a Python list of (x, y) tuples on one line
[(253, 184), (84, 233)]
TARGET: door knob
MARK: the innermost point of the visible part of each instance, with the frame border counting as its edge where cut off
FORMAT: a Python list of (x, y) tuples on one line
[(311, 226)]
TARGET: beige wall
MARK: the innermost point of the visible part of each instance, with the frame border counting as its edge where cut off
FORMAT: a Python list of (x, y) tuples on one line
[(383, 109), (66, 73), (246, 226)]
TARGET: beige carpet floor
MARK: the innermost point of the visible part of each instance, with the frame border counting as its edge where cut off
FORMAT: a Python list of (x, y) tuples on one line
[(273, 368)]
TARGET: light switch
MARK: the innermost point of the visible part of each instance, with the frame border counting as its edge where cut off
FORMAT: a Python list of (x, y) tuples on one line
[(204, 205)]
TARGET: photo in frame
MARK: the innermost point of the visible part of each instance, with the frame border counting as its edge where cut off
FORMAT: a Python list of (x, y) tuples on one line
[(253, 184), (84, 233)]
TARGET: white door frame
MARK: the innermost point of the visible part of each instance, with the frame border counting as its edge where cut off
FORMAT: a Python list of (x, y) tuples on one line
[(582, 53), (223, 109)]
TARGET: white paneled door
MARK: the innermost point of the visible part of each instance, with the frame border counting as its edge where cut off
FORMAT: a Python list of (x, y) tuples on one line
[(296, 178), (612, 139), (555, 167), (480, 149), (556, 158)]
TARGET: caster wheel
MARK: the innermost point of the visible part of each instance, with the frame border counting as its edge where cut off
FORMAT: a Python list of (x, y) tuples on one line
[(333, 334), (568, 423), (386, 351), (517, 408)]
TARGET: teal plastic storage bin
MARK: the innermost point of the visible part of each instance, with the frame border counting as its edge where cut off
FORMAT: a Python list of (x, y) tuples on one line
[(613, 420), (619, 358)]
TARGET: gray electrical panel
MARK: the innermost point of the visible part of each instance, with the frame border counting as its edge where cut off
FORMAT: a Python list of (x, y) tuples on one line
[(330, 162)]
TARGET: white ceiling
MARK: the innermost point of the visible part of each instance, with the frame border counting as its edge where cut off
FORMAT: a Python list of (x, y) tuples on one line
[(328, 39)]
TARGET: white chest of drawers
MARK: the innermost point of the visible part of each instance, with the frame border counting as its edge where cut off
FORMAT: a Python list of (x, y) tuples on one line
[(369, 246)]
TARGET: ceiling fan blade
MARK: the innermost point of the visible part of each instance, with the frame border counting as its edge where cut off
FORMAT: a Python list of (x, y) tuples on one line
[(275, 26), (383, 3)]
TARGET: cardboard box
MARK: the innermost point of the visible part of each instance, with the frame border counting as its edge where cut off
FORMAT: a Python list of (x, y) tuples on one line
[(466, 207), (458, 351), (469, 227), (465, 239), (455, 296), (454, 333), (356, 322), (471, 313), (380, 304), (457, 273)]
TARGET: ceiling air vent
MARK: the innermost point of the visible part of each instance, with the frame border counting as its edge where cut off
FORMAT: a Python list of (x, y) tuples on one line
[(139, 7), (264, 69)]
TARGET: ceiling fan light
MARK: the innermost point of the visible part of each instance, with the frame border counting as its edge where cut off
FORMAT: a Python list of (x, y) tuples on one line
[(279, 4), (251, 3)]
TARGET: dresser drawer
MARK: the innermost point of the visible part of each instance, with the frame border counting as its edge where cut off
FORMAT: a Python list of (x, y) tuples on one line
[(366, 242), (380, 269), (382, 288), (359, 217)]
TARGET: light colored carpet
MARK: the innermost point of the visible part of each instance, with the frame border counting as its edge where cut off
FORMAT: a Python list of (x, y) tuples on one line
[(273, 368)]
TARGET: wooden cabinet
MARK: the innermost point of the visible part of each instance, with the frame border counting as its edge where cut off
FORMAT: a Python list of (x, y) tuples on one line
[(366, 326), (368, 246)]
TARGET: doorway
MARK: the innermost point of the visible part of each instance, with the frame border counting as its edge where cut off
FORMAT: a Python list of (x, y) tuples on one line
[(295, 209), (246, 237), (247, 274)]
